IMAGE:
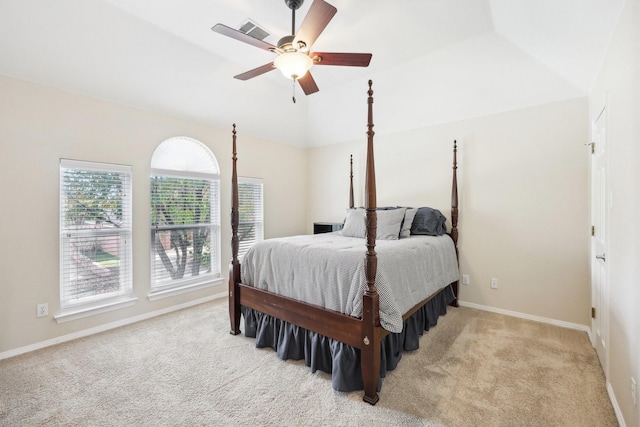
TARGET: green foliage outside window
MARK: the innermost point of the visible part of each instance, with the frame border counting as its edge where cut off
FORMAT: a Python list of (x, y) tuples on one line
[(180, 222), (92, 197)]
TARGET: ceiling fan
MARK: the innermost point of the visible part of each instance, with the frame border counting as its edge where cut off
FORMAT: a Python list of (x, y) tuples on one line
[(295, 58)]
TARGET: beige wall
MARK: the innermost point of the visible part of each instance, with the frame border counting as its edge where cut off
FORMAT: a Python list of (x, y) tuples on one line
[(619, 84), (523, 200), (40, 125)]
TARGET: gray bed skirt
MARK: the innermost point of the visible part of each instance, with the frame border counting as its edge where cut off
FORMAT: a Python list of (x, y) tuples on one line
[(340, 360)]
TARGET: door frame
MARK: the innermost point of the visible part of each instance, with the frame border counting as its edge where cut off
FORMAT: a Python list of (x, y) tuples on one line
[(603, 311)]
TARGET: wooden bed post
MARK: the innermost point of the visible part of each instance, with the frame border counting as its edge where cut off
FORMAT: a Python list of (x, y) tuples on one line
[(351, 203), (454, 214), (370, 353), (234, 267)]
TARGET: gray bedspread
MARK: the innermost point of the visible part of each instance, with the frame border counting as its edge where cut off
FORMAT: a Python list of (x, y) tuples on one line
[(328, 270)]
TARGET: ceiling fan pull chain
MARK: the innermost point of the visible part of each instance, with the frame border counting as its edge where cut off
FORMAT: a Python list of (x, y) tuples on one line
[(294, 90)]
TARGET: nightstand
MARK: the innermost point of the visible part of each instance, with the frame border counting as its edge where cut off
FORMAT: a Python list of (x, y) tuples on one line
[(326, 227)]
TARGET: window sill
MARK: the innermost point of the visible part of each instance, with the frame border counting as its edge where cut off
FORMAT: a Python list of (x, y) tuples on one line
[(81, 312), (166, 293)]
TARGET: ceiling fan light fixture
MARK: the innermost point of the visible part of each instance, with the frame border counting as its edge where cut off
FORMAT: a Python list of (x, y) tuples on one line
[(295, 56), (293, 65)]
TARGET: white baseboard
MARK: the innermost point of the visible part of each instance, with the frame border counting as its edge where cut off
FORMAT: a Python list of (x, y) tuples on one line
[(130, 320), (616, 407), (107, 326), (555, 322)]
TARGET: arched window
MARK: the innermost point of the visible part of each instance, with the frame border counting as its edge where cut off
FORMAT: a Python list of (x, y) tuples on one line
[(185, 215)]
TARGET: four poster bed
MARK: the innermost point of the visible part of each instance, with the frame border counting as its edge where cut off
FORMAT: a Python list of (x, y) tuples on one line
[(344, 311)]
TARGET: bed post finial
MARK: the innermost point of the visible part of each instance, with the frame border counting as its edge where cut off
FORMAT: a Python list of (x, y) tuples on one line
[(351, 202), (234, 267)]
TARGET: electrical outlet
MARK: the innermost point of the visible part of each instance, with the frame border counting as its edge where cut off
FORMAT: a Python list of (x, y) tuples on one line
[(42, 310), (465, 279), (494, 283), (634, 395)]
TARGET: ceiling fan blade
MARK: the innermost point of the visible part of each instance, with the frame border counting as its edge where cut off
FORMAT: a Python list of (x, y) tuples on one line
[(319, 15), (346, 59), (307, 84), (255, 72), (235, 34)]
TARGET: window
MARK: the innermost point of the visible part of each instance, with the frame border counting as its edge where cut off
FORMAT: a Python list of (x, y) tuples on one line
[(250, 212), (185, 216), (95, 235)]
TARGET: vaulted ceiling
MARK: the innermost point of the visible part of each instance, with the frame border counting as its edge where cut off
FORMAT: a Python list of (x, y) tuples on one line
[(434, 61)]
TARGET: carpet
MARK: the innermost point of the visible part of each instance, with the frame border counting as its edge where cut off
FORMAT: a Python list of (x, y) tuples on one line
[(184, 369)]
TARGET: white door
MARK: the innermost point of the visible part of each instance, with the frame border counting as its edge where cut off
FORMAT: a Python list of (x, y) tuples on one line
[(599, 278)]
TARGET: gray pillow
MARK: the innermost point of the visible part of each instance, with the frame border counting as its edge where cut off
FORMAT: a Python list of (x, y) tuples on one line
[(429, 221), (389, 223), (354, 224), (405, 230)]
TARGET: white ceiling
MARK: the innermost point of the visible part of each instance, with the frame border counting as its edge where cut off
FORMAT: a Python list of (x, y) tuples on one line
[(434, 61)]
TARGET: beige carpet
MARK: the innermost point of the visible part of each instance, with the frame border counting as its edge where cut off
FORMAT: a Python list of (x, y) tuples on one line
[(182, 369)]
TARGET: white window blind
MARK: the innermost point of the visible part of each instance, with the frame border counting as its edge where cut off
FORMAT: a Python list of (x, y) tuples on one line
[(250, 212), (185, 215), (95, 232), (183, 229)]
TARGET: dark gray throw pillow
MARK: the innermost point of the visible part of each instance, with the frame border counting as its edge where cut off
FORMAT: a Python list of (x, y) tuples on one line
[(429, 221)]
